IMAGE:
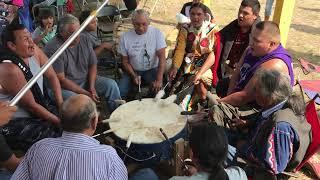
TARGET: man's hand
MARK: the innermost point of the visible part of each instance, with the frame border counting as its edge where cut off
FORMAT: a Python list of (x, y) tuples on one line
[(136, 79), (238, 123), (54, 119), (94, 96), (157, 85), (196, 79), (172, 73), (6, 112), (107, 46)]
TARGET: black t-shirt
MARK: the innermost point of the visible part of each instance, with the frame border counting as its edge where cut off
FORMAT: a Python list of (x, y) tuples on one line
[(189, 4), (5, 151), (131, 4)]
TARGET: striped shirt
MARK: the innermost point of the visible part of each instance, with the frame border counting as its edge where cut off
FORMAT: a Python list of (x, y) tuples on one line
[(72, 156)]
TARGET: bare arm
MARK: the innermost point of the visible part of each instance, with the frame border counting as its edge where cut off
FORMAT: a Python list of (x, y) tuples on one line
[(242, 97), (207, 64), (127, 66), (246, 95), (70, 85), (92, 76), (13, 81), (103, 46), (51, 75)]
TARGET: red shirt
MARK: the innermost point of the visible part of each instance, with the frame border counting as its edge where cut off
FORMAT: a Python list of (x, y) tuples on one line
[(237, 49)]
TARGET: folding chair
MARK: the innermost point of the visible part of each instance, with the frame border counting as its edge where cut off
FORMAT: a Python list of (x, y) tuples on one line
[(106, 19), (107, 16)]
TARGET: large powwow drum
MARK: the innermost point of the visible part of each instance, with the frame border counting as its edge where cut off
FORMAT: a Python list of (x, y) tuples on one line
[(142, 121)]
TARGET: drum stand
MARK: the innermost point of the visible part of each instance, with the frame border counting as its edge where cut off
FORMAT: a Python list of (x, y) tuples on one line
[(179, 152)]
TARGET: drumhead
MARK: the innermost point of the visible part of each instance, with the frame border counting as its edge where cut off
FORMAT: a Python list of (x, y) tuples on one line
[(145, 118)]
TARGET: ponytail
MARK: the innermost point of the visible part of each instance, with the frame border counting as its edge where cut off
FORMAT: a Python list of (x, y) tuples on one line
[(217, 173), (209, 145), (296, 104)]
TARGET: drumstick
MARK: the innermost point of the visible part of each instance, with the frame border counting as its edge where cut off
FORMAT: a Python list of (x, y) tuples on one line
[(166, 85), (171, 146), (159, 95), (139, 84), (110, 120), (105, 132), (128, 146)]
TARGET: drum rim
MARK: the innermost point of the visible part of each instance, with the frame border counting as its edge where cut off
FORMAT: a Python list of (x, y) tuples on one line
[(157, 142)]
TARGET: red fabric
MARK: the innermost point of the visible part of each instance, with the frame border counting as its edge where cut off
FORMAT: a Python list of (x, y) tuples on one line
[(217, 52), (237, 49), (18, 3), (309, 66), (69, 6), (312, 85), (313, 120)]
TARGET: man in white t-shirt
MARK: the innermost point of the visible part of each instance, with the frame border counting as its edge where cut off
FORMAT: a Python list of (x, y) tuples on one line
[(142, 52)]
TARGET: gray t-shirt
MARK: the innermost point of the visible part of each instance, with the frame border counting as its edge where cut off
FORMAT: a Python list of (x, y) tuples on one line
[(93, 36), (75, 61)]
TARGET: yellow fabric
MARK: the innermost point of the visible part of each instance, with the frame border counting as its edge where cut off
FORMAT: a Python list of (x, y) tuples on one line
[(198, 51), (180, 48)]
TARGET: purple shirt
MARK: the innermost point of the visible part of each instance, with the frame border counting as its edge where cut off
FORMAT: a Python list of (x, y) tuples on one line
[(252, 63)]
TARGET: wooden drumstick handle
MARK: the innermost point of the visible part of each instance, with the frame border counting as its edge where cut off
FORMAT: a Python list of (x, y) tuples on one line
[(171, 146), (129, 141)]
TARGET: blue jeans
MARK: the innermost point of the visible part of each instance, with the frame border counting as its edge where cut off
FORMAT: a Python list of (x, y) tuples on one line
[(144, 174), (126, 84), (105, 87), (5, 174)]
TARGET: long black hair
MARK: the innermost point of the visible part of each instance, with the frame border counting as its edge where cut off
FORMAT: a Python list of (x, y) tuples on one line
[(209, 145), (201, 6)]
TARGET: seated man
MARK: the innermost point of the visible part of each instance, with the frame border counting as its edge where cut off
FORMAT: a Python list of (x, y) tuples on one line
[(194, 54), (75, 155), (280, 136), (91, 32), (265, 52), (235, 36), (8, 161), (20, 60), (76, 67), (142, 52)]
